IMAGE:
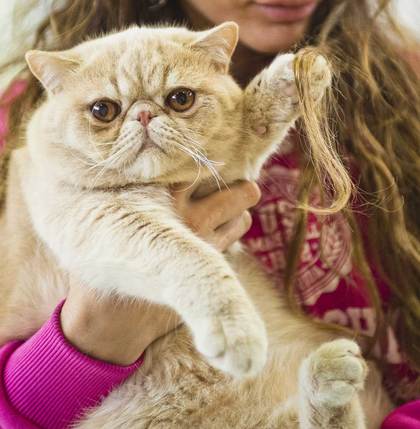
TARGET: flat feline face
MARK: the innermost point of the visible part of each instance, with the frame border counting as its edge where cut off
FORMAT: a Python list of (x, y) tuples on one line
[(144, 103)]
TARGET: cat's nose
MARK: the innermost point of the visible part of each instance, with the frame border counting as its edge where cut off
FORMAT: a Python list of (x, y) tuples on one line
[(144, 117)]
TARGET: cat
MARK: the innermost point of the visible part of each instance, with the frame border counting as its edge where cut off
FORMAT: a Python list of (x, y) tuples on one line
[(126, 115)]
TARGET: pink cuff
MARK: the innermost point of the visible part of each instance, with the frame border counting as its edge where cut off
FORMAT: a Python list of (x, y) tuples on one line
[(405, 417), (6, 99), (48, 383)]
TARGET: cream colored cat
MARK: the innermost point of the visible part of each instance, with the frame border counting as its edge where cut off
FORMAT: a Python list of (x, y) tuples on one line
[(127, 115)]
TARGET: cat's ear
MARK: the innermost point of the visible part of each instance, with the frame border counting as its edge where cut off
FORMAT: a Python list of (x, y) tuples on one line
[(51, 68), (219, 43)]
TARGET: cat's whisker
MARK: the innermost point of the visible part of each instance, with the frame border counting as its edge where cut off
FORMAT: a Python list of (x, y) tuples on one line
[(201, 160), (197, 177), (193, 149), (97, 177), (210, 164), (105, 164), (73, 154), (197, 147), (116, 155), (110, 161), (105, 144), (94, 144), (194, 146), (119, 146), (81, 160), (194, 155)]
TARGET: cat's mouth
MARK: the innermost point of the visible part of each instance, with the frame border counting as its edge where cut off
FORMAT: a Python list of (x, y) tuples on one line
[(149, 145), (147, 148), (141, 147)]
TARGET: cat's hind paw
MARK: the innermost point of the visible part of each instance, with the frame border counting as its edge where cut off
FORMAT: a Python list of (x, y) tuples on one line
[(333, 373)]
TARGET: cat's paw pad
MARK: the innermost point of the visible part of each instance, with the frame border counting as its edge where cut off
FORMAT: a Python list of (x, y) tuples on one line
[(333, 373), (320, 77), (234, 344), (281, 77)]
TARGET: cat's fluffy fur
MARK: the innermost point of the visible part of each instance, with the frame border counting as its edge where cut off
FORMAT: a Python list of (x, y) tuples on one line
[(84, 200)]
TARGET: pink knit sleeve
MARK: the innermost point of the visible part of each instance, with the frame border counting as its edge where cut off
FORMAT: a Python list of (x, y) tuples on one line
[(47, 383), (405, 417), (6, 100)]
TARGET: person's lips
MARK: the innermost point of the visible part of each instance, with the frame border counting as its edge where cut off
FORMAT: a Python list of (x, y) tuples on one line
[(283, 10)]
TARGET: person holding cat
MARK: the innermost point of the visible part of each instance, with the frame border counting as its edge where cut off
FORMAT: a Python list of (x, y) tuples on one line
[(344, 269)]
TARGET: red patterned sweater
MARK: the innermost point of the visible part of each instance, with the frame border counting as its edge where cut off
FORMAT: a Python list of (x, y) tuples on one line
[(329, 285)]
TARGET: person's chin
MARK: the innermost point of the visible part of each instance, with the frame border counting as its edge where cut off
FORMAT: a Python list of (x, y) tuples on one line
[(275, 38)]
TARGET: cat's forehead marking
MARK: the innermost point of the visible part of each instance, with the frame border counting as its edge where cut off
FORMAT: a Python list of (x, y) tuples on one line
[(126, 81), (152, 68), (142, 63), (143, 70), (112, 88)]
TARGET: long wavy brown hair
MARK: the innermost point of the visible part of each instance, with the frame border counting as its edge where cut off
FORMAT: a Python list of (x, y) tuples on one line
[(373, 112)]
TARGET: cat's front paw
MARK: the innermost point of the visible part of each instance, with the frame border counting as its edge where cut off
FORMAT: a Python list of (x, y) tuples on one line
[(234, 342), (320, 77), (333, 373), (281, 77)]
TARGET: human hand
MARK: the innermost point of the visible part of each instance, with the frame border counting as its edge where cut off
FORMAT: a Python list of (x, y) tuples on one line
[(220, 218), (117, 330)]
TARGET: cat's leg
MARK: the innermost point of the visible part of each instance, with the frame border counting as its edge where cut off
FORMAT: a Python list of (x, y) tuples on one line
[(132, 244), (329, 382), (271, 105)]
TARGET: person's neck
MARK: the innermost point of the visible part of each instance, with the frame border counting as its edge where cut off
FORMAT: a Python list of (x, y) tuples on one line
[(246, 63)]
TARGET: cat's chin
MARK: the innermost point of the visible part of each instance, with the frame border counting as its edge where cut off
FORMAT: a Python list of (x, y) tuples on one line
[(148, 164)]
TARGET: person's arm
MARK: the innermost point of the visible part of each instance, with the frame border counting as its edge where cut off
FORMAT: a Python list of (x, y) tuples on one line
[(47, 381), (87, 347), (91, 345)]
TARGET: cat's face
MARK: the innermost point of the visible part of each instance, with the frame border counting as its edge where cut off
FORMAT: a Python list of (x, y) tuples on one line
[(145, 104)]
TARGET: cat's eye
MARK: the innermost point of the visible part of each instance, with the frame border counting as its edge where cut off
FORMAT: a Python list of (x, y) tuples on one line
[(180, 99), (105, 110)]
